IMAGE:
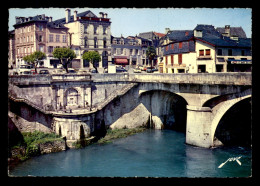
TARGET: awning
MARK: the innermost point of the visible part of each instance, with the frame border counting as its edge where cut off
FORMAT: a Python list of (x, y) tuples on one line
[(121, 61), (233, 61)]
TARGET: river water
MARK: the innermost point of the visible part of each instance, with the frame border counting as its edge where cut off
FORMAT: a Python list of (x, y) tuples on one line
[(153, 153)]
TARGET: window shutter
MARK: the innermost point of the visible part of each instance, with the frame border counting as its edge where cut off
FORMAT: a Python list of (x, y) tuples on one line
[(180, 58)]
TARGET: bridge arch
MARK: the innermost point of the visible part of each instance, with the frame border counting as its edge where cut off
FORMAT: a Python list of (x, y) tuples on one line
[(167, 109), (219, 110)]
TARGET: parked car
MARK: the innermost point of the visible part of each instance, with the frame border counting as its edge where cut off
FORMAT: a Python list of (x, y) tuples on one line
[(150, 69), (23, 69), (44, 72), (94, 71), (137, 70), (71, 70), (59, 71), (121, 70), (143, 68), (82, 71)]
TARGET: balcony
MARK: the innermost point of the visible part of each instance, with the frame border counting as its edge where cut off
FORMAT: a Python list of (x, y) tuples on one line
[(206, 57)]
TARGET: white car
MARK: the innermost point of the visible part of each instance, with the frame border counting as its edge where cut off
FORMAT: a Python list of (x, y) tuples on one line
[(137, 70), (23, 69)]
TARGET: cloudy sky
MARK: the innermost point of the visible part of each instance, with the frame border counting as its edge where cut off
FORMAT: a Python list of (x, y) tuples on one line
[(132, 21)]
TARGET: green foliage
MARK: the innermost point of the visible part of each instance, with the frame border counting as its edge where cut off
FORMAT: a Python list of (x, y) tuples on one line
[(92, 56), (32, 141), (34, 58), (151, 52), (65, 55)]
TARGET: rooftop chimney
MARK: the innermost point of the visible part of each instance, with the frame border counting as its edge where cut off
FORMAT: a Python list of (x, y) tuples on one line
[(67, 11), (227, 30), (50, 19), (75, 15), (101, 14), (167, 30), (105, 15)]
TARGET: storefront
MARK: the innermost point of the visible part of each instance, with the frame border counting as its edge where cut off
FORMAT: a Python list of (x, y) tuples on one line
[(239, 65), (121, 61)]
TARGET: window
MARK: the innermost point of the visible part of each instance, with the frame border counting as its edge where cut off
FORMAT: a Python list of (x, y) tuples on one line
[(242, 52), (64, 38), (201, 53), (57, 38), (41, 48), (40, 38), (95, 30), (207, 52), (95, 43), (104, 30), (85, 29), (27, 39), (25, 50), (180, 44), (31, 38), (50, 49), (50, 38), (219, 52), (32, 49), (172, 46), (131, 51), (24, 39), (172, 60), (230, 52), (29, 28), (85, 42), (76, 51), (180, 59), (104, 43), (136, 51), (40, 28)]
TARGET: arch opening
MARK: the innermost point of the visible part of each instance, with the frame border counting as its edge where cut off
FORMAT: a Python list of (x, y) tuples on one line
[(234, 128), (166, 108)]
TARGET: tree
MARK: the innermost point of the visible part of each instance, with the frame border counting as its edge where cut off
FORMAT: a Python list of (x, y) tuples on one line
[(35, 58), (65, 55), (93, 57), (150, 53)]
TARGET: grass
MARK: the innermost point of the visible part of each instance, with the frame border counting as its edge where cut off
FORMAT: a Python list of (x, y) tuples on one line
[(119, 133)]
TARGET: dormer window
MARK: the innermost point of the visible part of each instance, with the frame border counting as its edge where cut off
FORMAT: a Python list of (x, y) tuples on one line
[(198, 33)]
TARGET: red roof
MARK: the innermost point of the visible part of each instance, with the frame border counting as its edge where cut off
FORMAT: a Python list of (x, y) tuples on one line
[(159, 34)]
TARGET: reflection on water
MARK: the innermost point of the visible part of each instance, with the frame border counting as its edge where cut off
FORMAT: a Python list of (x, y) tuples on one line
[(153, 153)]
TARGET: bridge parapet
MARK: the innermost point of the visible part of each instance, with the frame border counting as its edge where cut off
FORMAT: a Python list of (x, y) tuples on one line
[(47, 79), (234, 78)]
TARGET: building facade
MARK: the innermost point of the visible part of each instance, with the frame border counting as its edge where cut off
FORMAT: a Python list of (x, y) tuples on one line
[(87, 32), (204, 50), (129, 51), (11, 49), (37, 33)]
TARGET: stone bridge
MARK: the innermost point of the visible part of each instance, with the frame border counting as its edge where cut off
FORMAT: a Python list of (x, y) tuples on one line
[(76, 104)]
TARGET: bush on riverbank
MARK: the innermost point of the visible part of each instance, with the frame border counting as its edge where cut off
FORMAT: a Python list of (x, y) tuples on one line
[(30, 146), (119, 133)]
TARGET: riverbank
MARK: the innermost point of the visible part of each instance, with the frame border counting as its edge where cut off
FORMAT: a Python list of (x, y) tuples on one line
[(34, 144)]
